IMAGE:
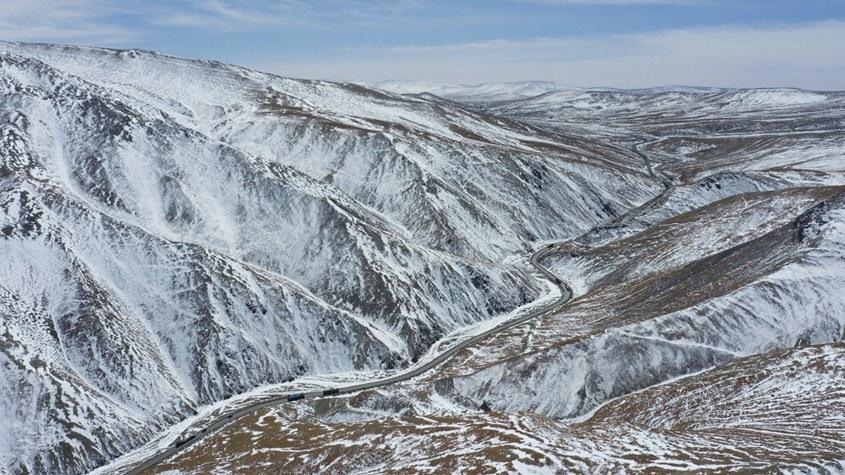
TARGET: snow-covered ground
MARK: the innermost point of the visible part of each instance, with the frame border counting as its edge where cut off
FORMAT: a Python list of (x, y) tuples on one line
[(180, 237), (703, 323), (181, 232), (484, 92), (780, 412)]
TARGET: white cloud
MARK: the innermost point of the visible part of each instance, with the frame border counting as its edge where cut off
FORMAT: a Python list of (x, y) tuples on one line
[(245, 15), (618, 2), (61, 20), (228, 15), (807, 55)]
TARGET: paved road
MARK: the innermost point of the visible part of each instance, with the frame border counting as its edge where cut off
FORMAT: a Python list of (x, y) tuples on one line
[(536, 261), (657, 201)]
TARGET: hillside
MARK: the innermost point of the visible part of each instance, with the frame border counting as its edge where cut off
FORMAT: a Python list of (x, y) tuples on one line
[(178, 232), (705, 334)]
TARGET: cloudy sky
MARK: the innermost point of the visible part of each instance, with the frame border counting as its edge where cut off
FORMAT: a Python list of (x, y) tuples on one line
[(618, 43)]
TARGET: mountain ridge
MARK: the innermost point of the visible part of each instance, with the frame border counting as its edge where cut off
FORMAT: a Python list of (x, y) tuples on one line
[(187, 231)]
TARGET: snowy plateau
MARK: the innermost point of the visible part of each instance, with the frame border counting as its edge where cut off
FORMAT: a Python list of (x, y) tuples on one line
[(180, 239)]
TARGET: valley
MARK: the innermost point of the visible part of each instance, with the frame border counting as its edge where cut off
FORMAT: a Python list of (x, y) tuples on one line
[(507, 277)]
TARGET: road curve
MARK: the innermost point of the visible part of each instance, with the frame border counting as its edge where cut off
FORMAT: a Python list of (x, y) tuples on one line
[(414, 371)]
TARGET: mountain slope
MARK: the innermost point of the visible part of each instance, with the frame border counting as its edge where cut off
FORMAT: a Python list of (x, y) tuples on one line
[(705, 334), (749, 327), (777, 412), (780, 411), (183, 231)]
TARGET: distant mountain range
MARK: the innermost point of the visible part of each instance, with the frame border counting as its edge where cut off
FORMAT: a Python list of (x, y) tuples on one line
[(510, 91)]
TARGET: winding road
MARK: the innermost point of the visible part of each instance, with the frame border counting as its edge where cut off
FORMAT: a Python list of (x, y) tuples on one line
[(183, 444)]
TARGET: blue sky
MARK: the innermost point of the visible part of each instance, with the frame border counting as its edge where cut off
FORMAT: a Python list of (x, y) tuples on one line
[(619, 43)]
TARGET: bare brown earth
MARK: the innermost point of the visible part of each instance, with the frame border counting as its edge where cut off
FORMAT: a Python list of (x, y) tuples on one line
[(758, 414)]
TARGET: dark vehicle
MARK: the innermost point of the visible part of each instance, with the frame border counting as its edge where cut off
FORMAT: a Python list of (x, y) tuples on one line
[(329, 392), (182, 440), (295, 397)]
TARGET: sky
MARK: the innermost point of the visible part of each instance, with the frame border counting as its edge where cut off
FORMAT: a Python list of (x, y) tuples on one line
[(612, 43)]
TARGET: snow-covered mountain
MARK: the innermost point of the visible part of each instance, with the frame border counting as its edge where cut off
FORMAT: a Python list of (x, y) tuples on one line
[(175, 232), (472, 93), (706, 331)]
